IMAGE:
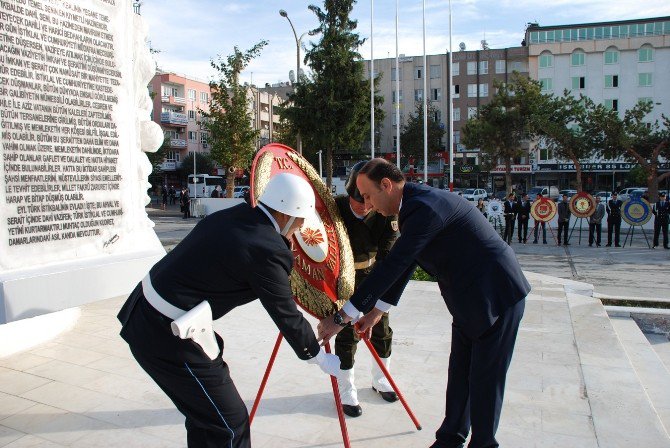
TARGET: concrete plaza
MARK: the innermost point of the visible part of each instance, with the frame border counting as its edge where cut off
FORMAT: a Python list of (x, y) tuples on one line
[(578, 378)]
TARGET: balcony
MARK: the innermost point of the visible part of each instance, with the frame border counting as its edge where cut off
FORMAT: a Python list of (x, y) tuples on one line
[(177, 143), (174, 118), (177, 100)]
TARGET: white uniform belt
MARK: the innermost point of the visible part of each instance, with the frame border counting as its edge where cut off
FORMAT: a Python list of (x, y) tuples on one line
[(160, 304), (365, 264)]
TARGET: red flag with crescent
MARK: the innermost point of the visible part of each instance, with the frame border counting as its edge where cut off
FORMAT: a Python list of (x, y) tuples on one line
[(323, 271)]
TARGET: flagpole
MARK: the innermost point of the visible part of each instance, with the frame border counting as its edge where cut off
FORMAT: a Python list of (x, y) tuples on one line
[(397, 91), (372, 85), (425, 100), (451, 110)]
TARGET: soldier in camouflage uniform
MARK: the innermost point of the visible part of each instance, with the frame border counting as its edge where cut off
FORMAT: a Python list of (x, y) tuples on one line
[(371, 236)]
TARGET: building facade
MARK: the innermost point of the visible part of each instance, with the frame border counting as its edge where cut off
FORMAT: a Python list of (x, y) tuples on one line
[(613, 63)]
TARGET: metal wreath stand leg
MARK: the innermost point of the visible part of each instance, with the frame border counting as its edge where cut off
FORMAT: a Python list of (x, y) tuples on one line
[(336, 391)]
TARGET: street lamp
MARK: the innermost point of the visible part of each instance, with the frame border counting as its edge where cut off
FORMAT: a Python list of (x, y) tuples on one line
[(319, 152), (284, 14)]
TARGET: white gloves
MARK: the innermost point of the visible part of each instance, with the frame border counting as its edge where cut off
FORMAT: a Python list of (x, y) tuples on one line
[(328, 362)]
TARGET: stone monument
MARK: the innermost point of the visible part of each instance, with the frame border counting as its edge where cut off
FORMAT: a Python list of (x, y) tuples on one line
[(74, 126)]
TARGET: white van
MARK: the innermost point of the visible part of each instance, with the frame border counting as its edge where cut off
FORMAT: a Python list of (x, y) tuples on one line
[(547, 191), (205, 184)]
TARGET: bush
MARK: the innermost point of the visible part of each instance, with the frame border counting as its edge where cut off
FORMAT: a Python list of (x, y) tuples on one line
[(423, 276)]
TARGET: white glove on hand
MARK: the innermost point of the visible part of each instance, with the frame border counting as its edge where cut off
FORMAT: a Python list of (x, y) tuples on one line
[(328, 362)]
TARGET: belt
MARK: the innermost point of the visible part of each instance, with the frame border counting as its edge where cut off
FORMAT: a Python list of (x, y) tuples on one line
[(195, 324), (364, 264)]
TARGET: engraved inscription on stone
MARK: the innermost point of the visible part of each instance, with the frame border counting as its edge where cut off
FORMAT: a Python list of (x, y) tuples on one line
[(59, 141)]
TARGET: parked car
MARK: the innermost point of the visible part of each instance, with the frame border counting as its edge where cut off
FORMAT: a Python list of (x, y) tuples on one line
[(547, 191), (473, 194), (240, 190), (569, 193), (458, 191), (604, 196), (624, 194)]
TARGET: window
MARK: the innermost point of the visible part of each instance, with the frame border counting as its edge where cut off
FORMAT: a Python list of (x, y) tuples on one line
[(203, 137), (436, 116), (418, 95), (611, 81), (611, 56), (547, 84), (457, 114), (472, 112), (457, 91), (204, 97), (645, 54), (472, 90), (172, 156), (395, 119), (417, 72), (483, 67), (612, 104), (436, 94), (517, 66), (483, 90), (393, 74), (577, 58), (394, 96), (191, 115), (457, 137), (546, 154), (578, 82), (191, 94), (644, 79), (546, 60), (472, 68), (435, 72), (455, 68), (500, 66), (192, 136)]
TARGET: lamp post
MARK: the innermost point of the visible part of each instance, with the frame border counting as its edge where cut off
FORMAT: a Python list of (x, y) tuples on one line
[(319, 152), (284, 14)]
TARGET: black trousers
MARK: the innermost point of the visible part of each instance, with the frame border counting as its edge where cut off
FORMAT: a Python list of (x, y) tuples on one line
[(657, 230), (216, 416), (522, 231), (509, 228), (539, 224), (476, 384), (563, 226), (595, 229), (347, 341), (613, 224)]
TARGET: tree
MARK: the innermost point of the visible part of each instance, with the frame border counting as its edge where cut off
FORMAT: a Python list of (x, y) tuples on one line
[(504, 123), (203, 163), (411, 137), (332, 109), (635, 139), (158, 157), (564, 127), (231, 136)]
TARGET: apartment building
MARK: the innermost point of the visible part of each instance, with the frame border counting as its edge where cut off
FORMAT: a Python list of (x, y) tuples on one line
[(613, 63), (474, 73)]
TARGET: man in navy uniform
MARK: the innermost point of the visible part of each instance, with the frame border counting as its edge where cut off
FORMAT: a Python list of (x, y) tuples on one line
[(613, 219), (229, 259), (509, 209), (371, 236), (660, 211), (446, 236)]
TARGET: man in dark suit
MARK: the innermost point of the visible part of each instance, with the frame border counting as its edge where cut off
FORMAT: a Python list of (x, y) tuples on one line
[(509, 209), (613, 220), (563, 220), (661, 210), (523, 215), (595, 223), (229, 259), (446, 236)]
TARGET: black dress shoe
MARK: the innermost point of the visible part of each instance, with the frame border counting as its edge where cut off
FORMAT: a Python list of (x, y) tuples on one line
[(352, 411), (566, 244), (387, 396), (617, 245)]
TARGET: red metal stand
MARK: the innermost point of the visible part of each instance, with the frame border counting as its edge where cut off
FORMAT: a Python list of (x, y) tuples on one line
[(265, 378)]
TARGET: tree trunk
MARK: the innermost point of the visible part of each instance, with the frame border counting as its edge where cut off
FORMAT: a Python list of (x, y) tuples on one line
[(508, 175), (652, 183), (230, 181), (578, 172)]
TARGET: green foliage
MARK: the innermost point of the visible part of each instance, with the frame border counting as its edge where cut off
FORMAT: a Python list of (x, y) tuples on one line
[(637, 176), (505, 122), (422, 275), (203, 164), (157, 158), (231, 136), (411, 137), (332, 109)]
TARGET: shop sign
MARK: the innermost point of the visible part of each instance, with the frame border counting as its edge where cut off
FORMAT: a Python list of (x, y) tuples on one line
[(604, 166), (513, 169)]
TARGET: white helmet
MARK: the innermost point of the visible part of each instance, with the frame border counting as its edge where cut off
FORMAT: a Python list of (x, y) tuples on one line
[(289, 194)]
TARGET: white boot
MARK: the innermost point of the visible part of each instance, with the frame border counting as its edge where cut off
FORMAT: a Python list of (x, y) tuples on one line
[(348, 393), (379, 381)]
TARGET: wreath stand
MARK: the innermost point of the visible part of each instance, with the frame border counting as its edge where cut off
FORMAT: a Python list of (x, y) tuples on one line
[(336, 391), (546, 224), (580, 220), (631, 232)]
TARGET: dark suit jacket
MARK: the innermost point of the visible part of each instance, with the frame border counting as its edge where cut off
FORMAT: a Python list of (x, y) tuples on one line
[(509, 209), (614, 210), (478, 274), (661, 212), (523, 209), (230, 258)]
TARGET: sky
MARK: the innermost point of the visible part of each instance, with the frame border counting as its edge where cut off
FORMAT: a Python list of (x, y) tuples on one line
[(190, 33)]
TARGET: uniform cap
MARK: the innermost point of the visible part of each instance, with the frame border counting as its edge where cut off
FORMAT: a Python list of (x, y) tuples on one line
[(350, 186)]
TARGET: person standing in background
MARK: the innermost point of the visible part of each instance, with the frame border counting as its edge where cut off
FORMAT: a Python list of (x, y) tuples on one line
[(509, 209), (595, 223), (537, 225), (661, 210), (613, 219), (523, 216), (563, 220)]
